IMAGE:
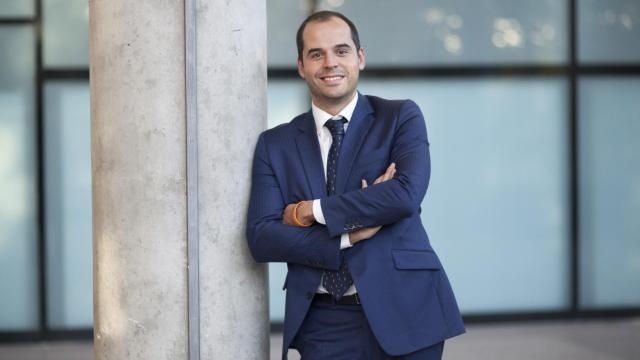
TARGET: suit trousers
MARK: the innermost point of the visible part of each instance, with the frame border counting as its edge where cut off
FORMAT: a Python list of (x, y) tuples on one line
[(341, 332)]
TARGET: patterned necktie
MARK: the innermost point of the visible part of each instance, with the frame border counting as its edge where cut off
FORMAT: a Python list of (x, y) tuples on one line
[(336, 282)]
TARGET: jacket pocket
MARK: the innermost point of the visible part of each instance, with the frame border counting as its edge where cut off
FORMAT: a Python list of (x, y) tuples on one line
[(415, 259)]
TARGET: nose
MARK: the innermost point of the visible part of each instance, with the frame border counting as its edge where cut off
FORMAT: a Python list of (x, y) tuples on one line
[(330, 60)]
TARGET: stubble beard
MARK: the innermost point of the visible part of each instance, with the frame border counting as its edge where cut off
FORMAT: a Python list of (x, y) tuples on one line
[(326, 99)]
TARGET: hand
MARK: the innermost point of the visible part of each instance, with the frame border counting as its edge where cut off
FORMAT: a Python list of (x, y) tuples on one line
[(388, 175), (304, 214), (368, 233)]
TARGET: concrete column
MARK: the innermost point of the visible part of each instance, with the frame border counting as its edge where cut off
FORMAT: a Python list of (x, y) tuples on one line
[(232, 81), (139, 161)]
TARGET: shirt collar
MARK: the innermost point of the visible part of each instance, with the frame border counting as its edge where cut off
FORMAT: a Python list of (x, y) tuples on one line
[(320, 116)]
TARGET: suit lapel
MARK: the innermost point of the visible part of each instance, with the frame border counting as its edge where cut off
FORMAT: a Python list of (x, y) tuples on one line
[(309, 150), (359, 125)]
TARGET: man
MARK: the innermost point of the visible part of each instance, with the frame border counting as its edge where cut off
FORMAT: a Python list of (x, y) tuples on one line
[(336, 194)]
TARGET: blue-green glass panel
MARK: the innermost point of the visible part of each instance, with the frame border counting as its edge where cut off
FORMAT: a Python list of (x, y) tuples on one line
[(68, 205), (608, 31), (442, 32), (497, 207), (17, 9), (18, 187), (283, 19), (609, 130), (65, 33)]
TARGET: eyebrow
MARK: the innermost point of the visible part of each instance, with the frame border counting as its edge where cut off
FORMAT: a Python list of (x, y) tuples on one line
[(313, 50), (344, 45)]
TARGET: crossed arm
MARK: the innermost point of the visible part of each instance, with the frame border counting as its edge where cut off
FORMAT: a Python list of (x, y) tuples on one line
[(271, 237), (301, 214)]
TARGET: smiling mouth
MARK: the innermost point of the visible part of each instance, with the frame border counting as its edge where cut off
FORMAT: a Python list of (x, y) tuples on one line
[(332, 78)]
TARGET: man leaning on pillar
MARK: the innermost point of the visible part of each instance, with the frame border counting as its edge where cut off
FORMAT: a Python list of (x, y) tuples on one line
[(336, 194)]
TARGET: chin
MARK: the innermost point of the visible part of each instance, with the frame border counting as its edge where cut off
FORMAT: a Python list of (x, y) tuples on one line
[(337, 94)]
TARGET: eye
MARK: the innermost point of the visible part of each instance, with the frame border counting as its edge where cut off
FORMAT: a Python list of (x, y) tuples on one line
[(342, 51), (314, 55)]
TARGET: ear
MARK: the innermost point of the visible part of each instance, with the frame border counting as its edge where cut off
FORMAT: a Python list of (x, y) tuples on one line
[(361, 59), (300, 68)]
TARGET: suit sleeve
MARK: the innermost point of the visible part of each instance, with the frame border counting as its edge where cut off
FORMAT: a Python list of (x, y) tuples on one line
[(392, 200), (272, 241)]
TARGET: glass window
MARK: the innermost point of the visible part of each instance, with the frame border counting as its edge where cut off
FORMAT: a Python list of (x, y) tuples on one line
[(277, 274), (609, 131), (285, 100), (608, 31), (283, 19), (66, 33), (68, 204), (496, 210), (18, 190), (433, 32), (17, 8)]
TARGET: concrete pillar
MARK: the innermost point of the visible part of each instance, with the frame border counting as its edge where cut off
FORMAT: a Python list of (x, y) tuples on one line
[(232, 80), (139, 161)]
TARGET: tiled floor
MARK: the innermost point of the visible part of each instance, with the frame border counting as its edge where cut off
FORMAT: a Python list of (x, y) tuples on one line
[(567, 340)]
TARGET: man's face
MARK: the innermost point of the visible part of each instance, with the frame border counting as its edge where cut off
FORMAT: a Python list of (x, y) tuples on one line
[(330, 63)]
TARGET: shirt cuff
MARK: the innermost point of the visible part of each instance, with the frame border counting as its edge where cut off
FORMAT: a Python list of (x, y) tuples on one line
[(317, 212), (344, 241)]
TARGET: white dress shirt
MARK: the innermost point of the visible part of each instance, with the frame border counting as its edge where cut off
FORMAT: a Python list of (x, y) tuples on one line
[(325, 139)]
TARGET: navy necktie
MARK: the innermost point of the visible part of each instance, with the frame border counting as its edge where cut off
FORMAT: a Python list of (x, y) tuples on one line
[(336, 282)]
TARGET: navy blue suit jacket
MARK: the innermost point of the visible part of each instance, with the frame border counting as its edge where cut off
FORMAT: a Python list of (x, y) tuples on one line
[(404, 291)]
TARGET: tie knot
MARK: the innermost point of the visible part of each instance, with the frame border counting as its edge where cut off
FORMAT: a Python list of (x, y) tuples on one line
[(336, 126)]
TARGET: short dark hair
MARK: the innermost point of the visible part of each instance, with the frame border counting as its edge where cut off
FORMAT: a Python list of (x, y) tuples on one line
[(324, 16)]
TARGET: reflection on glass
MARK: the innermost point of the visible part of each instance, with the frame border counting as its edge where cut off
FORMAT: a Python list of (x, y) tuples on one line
[(17, 8), (608, 31), (507, 33), (18, 227), (427, 32), (68, 205), (496, 210), (609, 192), (66, 33)]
